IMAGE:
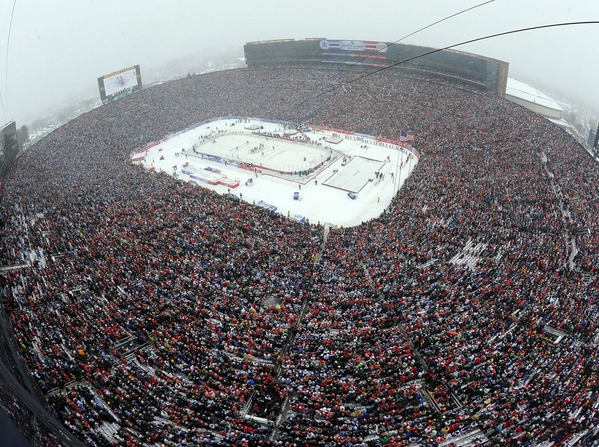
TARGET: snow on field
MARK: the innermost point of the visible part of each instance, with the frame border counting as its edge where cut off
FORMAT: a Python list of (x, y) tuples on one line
[(267, 164)]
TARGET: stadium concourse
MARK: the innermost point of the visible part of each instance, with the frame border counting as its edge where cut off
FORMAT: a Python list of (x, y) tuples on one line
[(149, 311)]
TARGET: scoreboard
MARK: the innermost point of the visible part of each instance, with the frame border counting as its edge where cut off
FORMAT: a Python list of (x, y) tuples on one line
[(119, 83)]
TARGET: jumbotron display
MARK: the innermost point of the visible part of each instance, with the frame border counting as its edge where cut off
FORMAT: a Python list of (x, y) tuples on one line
[(456, 66), (119, 83)]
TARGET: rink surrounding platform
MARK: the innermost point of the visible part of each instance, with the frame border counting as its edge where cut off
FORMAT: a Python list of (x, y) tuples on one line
[(321, 175), (355, 175)]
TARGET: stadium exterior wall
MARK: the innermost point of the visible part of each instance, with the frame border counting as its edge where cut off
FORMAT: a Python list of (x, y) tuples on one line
[(9, 147)]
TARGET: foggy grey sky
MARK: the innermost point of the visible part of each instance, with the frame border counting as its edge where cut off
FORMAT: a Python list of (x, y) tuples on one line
[(58, 48)]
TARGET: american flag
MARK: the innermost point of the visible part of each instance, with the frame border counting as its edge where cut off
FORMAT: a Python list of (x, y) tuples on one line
[(405, 136)]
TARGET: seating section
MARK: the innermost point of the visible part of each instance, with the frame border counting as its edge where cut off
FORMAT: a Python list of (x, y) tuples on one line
[(153, 312)]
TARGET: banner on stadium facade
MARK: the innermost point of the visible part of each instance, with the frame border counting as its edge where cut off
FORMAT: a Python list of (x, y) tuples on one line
[(364, 136), (388, 140), (400, 144), (353, 45)]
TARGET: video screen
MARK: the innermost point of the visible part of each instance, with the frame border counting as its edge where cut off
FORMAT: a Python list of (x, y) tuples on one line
[(120, 81)]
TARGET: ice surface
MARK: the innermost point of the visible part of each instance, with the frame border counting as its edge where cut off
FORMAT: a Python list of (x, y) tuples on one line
[(281, 169)]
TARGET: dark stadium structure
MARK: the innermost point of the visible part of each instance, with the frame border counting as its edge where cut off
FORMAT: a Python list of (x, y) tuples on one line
[(9, 146), (456, 66), (141, 310)]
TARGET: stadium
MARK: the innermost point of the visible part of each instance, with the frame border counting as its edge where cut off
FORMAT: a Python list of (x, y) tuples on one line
[(146, 310)]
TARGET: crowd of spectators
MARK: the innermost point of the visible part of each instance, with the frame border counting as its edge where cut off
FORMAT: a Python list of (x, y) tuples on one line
[(151, 311)]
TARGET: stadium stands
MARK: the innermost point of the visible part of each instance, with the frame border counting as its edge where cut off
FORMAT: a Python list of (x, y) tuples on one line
[(154, 312)]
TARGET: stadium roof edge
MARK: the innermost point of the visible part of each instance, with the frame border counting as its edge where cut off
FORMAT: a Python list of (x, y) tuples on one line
[(257, 42)]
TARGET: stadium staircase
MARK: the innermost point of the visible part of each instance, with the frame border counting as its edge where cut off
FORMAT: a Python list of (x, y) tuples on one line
[(282, 416)]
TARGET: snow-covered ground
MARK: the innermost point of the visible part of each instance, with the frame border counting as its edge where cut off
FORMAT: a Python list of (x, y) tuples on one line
[(320, 173)]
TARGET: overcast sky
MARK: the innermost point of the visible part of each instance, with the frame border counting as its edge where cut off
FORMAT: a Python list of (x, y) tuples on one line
[(58, 48)]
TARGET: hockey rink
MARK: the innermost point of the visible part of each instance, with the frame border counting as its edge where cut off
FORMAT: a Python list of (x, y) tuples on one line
[(276, 154), (316, 180)]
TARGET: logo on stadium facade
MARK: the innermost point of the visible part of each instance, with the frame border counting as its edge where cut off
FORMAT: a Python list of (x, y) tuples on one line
[(352, 45), (324, 44)]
